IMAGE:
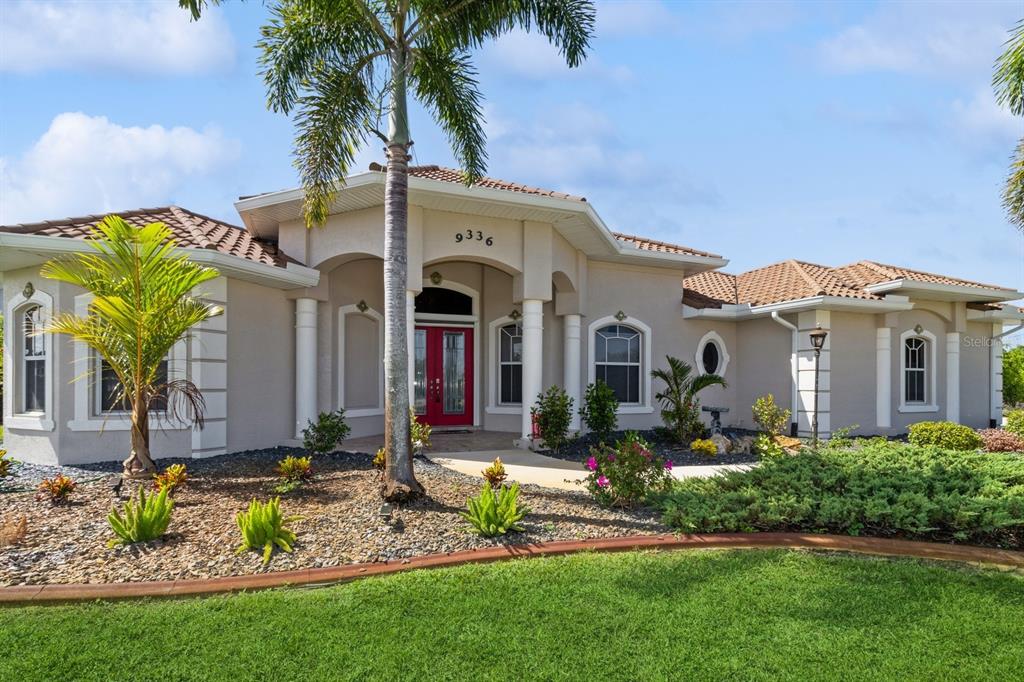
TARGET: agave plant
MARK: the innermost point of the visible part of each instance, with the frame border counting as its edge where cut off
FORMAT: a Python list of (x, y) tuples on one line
[(495, 514), (143, 520), (263, 527)]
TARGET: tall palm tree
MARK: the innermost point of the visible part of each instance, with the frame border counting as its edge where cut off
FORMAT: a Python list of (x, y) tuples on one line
[(1008, 82), (341, 66), (142, 305), (678, 399)]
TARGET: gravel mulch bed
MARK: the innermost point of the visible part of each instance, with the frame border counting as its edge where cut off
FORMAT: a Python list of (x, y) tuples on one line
[(341, 522), (579, 449)]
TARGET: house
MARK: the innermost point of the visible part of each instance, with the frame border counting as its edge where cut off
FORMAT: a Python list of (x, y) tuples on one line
[(510, 289)]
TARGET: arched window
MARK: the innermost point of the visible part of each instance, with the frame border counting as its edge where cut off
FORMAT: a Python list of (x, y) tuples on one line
[(33, 362), (510, 364), (915, 370), (618, 361)]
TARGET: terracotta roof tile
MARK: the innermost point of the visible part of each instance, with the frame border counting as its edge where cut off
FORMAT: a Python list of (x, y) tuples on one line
[(660, 247), (455, 176), (867, 272), (711, 289), (191, 230)]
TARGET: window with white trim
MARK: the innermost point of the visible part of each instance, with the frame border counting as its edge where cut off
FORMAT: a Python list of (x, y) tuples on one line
[(32, 347), (618, 361), (915, 371), (510, 364), (107, 387), (712, 357)]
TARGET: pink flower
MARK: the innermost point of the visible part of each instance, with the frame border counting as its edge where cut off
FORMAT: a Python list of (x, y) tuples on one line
[(668, 464), (602, 481), (592, 463), (611, 458)]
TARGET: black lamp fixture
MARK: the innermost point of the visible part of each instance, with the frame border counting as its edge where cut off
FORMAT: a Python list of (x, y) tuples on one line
[(817, 342)]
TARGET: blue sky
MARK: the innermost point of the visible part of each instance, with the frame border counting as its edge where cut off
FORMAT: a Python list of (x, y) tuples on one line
[(827, 132)]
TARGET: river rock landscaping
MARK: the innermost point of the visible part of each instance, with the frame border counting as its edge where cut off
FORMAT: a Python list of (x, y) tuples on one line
[(741, 440), (341, 520)]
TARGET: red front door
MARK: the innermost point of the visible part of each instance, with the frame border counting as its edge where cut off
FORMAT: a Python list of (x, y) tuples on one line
[(443, 384)]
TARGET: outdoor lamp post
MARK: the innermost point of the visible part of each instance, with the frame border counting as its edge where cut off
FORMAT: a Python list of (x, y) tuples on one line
[(818, 342)]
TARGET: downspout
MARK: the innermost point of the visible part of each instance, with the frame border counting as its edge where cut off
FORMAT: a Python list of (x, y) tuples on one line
[(992, 368), (794, 397)]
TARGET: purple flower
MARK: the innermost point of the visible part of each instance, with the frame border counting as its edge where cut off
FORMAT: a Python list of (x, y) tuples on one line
[(602, 481), (611, 458), (668, 464), (592, 463)]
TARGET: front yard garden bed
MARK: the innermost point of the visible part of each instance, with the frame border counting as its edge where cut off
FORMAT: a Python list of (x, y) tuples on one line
[(578, 449), (341, 524)]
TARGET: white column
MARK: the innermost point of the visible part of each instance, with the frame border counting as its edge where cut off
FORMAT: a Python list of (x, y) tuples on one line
[(883, 377), (533, 348), (995, 365), (953, 376), (305, 363), (410, 328), (571, 369)]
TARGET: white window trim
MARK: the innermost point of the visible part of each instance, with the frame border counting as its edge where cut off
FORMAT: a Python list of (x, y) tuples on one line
[(931, 379), (29, 421), (86, 377), (723, 353), (494, 341), (343, 312), (644, 406)]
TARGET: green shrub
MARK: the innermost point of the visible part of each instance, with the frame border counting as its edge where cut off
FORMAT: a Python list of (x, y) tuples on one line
[(1013, 376), (680, 408), (495, 514), (553, 413), (294, 472), (326, 434), (947, 435), (766, 447), (143, 520), (769, 416), (882, 489), (5, 465), (704, 446), (1015, 421), (600, 410), (840, 439), (263, 527), (419, 433), (624, 475)]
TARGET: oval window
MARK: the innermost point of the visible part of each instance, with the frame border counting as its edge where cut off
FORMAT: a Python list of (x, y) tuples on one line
[(709, 358)]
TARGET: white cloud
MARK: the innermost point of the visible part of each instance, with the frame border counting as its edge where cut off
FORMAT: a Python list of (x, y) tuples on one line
[(532, 56), (155, 37), (946, 39), (983, 121), (86, 164)]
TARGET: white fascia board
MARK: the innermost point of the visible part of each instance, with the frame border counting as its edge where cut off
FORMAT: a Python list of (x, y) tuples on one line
[(815, 302), (1008, 313), (977, 293), (290, 277)]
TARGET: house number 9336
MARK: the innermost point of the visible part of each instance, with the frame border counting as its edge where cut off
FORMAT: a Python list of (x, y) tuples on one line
[(473, 235)]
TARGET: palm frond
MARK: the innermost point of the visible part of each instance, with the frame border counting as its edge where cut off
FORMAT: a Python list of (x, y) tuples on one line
[(1013, 192), (1008, 78)]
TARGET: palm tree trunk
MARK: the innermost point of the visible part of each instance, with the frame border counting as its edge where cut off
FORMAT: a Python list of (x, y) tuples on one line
[(139, 462), (400, 480)]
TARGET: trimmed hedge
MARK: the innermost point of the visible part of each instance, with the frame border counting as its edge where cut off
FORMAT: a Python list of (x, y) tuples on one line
[(881, 489), (946, 435)]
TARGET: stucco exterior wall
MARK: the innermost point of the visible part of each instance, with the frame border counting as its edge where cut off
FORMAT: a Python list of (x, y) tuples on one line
[(762, 357), (975, 379), (261, 366), (852, 373)]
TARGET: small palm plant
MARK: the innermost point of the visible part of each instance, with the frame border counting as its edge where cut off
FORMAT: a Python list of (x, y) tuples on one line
[(144, 520), (142, 305), (680, 408), (263, 527)]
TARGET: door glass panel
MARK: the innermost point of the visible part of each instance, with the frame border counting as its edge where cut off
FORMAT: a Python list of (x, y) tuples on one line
[(419, 384), (454, 360)]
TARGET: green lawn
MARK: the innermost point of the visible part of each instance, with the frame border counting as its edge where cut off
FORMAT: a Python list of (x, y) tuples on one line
[(679, 615)]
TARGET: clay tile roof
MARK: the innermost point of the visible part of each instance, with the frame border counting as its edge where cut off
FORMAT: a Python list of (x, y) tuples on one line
[(710, 290), (191, 230), (867, 272), (455, 176), (661, 247)]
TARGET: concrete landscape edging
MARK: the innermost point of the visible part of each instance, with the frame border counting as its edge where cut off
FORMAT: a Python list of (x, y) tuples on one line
[(77, 592)]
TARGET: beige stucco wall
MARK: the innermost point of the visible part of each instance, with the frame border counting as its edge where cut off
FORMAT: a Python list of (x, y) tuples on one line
[(763, 351), (852, 375), (975, 380)]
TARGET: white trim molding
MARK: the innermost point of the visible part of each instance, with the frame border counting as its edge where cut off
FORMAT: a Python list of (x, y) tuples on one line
[(30, 421), (343, 312), (931, 381), (723, 353), (646, 361)]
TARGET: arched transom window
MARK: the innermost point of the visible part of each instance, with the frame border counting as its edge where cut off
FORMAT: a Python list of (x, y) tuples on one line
[(618, 361), (915, 371)]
